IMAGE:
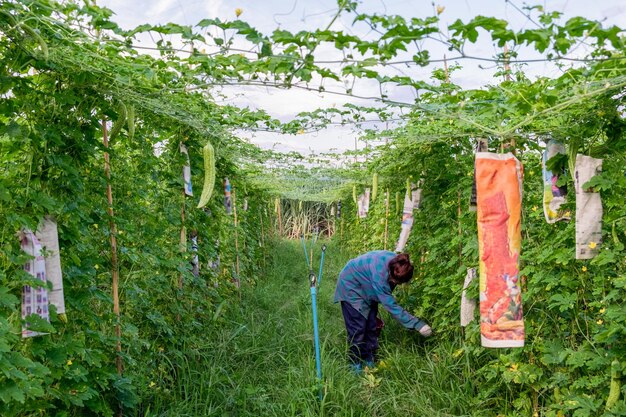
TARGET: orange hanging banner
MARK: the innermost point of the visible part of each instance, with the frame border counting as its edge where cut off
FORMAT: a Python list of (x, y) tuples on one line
[(499, 192)]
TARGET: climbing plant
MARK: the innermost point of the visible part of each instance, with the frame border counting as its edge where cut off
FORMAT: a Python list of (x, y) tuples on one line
[(69, 73)]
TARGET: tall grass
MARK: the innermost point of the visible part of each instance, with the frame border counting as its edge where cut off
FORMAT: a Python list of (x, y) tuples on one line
[(259, 359), (306, 217)]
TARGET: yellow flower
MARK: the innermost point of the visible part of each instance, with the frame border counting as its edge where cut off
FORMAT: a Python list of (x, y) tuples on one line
[(238, 11), (440, 9), (602, 310), (599, 321), (152, 383), (513, 367), (69, 363), (534, 208), (592, 245), (301, 132), (584, 268)]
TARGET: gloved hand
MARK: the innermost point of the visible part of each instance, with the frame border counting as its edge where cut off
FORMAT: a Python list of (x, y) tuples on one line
[(426, 330)]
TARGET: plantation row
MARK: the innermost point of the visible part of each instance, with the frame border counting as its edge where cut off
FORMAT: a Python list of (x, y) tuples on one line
[(573, 312), (168, 223)]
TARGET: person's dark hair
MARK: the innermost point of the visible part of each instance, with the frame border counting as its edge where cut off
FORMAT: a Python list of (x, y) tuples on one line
[(400, 268)]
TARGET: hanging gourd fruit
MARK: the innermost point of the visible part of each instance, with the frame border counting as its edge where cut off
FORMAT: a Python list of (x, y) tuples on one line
[(397, 201), (120, 122), (615, 386), (209, 174), (374, 186)]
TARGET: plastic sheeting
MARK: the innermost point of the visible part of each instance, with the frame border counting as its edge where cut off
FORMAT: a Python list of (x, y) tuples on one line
[(468, 305), (186, 171), (499, 196), (34, 300), (363, 204), (411, 203), (48, 236), (553, 195), (588, 208), (227, 197)]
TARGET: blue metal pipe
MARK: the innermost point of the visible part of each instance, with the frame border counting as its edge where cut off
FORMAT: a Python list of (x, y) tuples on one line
[(319, 276), (318, 360)]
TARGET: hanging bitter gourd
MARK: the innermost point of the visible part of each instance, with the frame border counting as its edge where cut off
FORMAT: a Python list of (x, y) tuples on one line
[(209, 174), (615, 385), (120, 122), (374, 186), (397, 201), (354, 194)]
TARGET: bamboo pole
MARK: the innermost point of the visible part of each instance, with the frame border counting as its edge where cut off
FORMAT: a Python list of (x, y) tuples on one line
[(280, 219), (236, 234), (114, 261), (262, 229), (460, 231), (386, 218), (507, 67), (183, 238), (262, 237)]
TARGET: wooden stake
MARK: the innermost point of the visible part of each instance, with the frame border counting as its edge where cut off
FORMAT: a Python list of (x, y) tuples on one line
[(262, 229), (183, 238), (280, 220), (386, 218), (262, 236), (459, 226), (114, 262), (236, 234), (507, 67)]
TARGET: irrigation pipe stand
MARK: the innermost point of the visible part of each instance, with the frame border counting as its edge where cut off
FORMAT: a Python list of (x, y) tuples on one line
[(316, 336), (319, 276)]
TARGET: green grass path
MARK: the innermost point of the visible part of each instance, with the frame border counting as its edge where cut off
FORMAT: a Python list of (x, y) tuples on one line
[(259, 359)]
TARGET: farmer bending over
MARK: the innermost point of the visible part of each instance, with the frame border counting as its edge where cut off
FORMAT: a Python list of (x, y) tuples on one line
[(363, 283)]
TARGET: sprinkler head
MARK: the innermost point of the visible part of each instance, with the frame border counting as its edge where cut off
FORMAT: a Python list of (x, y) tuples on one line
[(312, 279), (323, 248)]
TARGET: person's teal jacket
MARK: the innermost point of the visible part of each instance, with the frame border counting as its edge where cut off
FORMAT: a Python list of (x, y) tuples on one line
[(364, 280)]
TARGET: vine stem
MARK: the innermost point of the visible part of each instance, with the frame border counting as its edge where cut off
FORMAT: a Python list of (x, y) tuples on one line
[(114, 261)]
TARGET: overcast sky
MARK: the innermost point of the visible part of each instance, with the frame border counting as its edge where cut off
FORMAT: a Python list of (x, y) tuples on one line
[(294, 15)]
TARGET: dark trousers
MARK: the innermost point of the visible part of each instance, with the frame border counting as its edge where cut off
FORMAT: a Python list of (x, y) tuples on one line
[(362, 334)]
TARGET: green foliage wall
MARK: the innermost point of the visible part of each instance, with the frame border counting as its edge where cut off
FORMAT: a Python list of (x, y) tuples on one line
[(52, 160), (573, 309)]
